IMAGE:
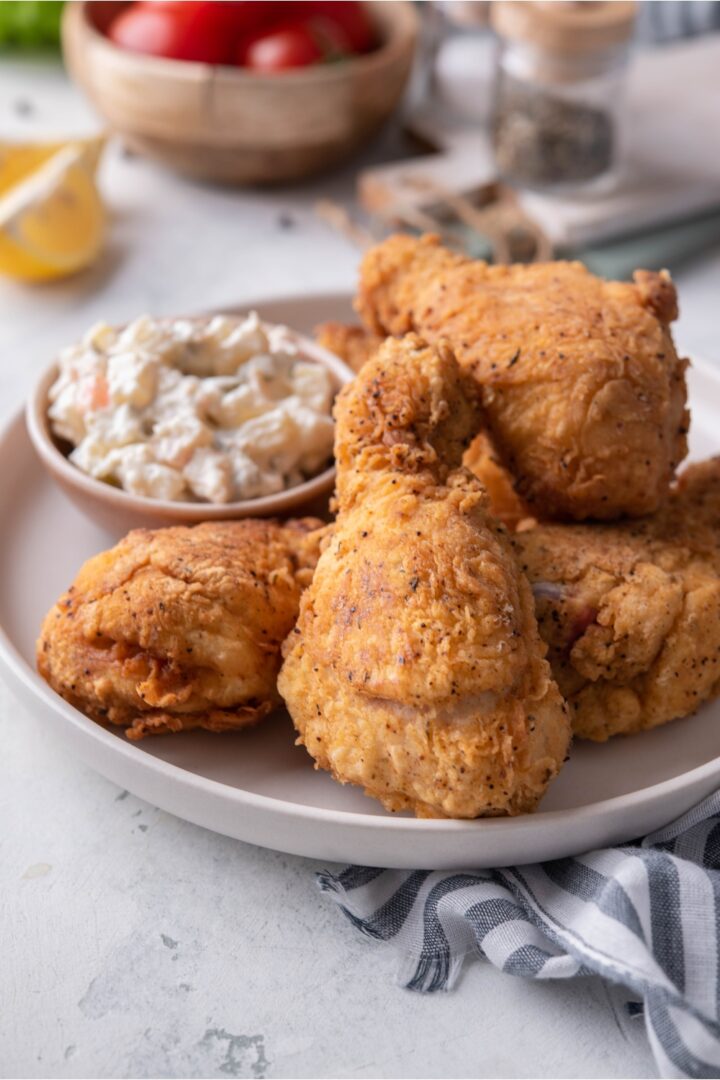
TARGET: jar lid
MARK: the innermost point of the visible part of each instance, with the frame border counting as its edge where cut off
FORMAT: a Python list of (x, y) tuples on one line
[(566, 26)]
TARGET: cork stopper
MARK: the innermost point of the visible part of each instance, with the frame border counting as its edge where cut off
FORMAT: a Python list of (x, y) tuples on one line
[(565, 26)]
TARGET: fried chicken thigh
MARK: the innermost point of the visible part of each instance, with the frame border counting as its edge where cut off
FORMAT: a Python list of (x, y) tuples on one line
[(180, 628), (416, 670), (583, 391), (631, 612)]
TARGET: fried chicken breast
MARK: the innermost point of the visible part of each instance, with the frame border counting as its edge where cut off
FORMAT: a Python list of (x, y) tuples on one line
[(416, 670), (584, 394), (631, 612), (180, 628)]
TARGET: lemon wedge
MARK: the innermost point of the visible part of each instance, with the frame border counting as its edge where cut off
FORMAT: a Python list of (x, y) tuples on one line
[(52, 220), (18, 159)]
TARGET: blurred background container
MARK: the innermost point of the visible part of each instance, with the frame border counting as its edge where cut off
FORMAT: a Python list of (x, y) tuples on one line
[(519, 130), (558, 103), (233, 125)]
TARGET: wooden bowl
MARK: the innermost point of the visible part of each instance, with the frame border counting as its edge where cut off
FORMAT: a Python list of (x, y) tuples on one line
[(117, 510), (234, 126)]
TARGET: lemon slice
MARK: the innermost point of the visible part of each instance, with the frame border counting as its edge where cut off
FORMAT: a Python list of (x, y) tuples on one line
[(52, 220)]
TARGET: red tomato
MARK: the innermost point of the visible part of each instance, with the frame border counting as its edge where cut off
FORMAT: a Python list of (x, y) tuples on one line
[(203, 31), (156, 33), (234, 16), (297, 33), (278, 48)]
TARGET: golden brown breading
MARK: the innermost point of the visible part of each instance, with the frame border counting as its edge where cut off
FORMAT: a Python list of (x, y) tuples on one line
[(505, 503), (583, 391), (180, 628), (416, 669), (631, 612), (353, 344)]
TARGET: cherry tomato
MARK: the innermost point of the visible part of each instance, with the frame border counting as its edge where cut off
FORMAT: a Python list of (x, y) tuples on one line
[(278, 48), (267, 35), (203, 31), (156, 33), (235, 17)]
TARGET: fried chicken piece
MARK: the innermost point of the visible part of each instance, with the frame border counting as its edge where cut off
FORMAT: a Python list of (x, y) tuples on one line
[(631, 612), (353, 344), (416, 669), (583, 391), (180, 628), (505, 503)]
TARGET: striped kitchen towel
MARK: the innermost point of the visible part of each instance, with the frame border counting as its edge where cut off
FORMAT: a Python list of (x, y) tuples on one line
[(646, 915)]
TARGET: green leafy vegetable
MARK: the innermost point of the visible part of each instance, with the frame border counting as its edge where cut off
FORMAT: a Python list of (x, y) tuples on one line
[(30, 24)]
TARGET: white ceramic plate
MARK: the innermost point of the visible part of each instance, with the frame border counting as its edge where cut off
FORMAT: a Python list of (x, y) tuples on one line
[(257, 786)]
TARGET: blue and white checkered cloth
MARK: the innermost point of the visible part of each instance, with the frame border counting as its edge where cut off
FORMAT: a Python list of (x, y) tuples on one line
[(646, 915)]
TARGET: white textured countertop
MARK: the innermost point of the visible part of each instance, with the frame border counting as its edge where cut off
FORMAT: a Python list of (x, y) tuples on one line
[(134, 944)]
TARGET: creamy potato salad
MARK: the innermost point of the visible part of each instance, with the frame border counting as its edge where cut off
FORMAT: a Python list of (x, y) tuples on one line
[(172, 409)]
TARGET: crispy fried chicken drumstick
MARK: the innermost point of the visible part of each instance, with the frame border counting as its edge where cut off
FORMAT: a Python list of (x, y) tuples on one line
[(583, 392), (355, 345), (416, 669), (180, 628), (631, 612)]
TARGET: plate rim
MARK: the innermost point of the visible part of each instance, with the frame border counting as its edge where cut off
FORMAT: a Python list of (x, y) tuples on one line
[(14, 665)]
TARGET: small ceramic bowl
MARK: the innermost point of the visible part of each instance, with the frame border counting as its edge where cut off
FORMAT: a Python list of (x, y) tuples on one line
[(117, 510), (235, 126)]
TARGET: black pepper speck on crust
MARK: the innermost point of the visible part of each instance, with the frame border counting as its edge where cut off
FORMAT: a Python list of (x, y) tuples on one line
[(572, 369), (631, 612), (205, 651), (429, 605)]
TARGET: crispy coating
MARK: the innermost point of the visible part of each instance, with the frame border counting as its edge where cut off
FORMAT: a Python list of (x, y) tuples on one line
[(180, 628), (583, 391), (416, 669), (505, 504), (353, 344), (631, 612)]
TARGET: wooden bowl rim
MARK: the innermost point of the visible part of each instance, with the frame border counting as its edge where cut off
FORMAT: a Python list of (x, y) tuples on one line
[(65, 473), (403, 32)]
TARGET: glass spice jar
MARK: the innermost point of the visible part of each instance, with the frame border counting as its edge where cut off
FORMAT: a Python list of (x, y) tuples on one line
[(560, 72)]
